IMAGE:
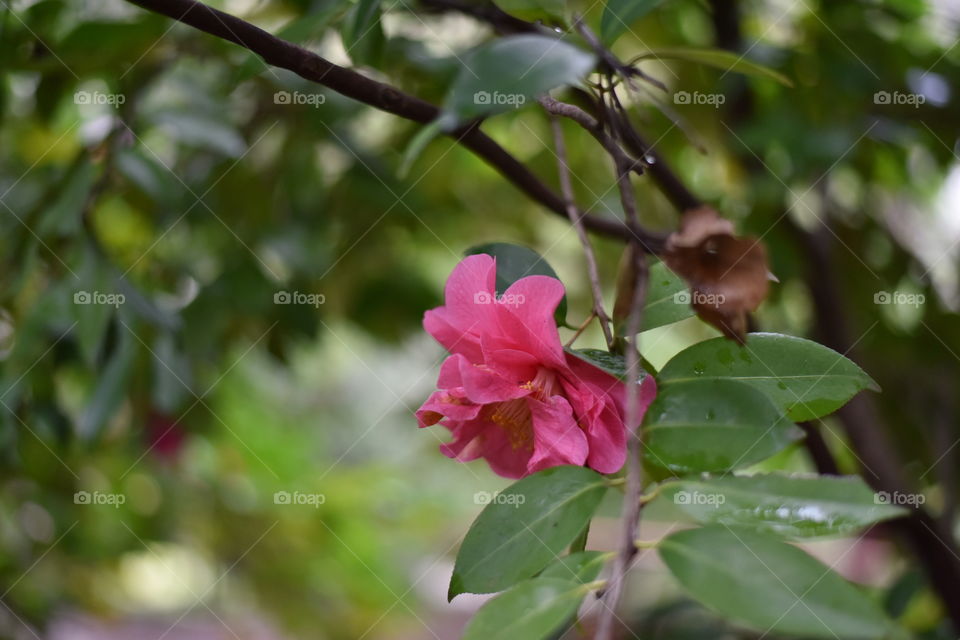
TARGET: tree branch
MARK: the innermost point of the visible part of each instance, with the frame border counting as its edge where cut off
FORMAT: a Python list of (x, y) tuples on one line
[(280, 53)]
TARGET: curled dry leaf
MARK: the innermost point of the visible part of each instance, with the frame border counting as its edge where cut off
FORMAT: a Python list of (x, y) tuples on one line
[(728, 275)]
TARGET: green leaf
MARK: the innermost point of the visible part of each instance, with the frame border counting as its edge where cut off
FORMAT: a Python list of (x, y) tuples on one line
[(362, 33), (111, 387), (618, 15), (612, 363), (720, 59), (582, 566), (205, 132), (531, 610), (529, 525), (511, 72), (417, 144), (515, 262), (770, 585), (92, 319), (804, 378), (789, 506), (713, 425), (532, 10), (63, 216), (664, 305)]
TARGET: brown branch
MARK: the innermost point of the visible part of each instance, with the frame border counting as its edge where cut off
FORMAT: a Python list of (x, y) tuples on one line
[(280, 53)]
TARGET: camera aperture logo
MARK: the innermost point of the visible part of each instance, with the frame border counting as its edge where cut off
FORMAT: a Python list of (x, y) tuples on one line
[(299, 98), (299, 297), (699, 298), (485, 498), (508, 299), (699, 98), (898, 499), (899, 298), (297, 497), (699, 498), (899, 98), (99, 498), (486, 98), (99, 297), (99, 97)]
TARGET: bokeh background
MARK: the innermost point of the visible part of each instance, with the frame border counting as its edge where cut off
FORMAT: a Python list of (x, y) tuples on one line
[(212, 278)]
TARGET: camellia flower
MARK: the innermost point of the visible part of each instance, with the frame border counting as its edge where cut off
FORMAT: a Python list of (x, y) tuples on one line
[(509, 393)]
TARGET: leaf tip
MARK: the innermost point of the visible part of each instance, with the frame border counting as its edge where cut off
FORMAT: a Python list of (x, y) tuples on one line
[(455, 588)]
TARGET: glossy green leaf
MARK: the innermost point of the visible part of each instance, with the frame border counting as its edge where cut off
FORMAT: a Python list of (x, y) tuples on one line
[(532, 610), (510, 73), (618, 15), (720, 59), (770, 585), (612, 363), (362, 33), (582, 566), (515, 262), (713, 425), (666, 302), (804, 378), (789, 506), (530, 524)]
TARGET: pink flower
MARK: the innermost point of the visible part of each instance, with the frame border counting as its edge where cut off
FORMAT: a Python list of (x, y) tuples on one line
[(509, 393)]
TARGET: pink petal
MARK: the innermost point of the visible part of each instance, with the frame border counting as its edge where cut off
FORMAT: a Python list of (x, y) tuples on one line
[(557, 438), (468, 441), (525, 319), (513, 364), (470, 291), (480, 384), (608, 441), (466, 340), (504, 459), (446, 404)]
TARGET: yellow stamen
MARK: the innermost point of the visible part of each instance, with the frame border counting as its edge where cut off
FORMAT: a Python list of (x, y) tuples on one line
[(514, 415)]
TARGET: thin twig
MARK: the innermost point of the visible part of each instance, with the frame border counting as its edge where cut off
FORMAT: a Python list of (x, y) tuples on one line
[(567, 189), (583, 325), (594, 127), (632, 503)]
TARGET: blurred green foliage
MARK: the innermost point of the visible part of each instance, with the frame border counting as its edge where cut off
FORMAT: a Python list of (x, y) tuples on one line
[(141, 159)]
